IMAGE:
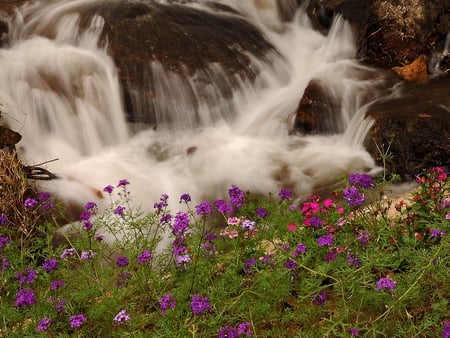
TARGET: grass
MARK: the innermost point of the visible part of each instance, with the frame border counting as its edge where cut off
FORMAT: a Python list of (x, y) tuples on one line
[(243, 266)]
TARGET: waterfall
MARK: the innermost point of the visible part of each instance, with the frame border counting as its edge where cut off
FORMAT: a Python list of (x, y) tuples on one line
[(60, 90)]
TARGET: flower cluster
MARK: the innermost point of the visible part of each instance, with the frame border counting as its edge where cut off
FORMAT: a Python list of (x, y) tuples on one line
[(242, 329), (200, 305), (180, 229), (167, 302)]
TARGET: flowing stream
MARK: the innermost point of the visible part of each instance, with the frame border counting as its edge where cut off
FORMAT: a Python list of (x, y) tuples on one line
[(59, 88)]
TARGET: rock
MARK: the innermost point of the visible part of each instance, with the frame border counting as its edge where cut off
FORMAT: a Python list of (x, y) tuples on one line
[(8, 138), (414, 127), (415, 71), (318, 111)]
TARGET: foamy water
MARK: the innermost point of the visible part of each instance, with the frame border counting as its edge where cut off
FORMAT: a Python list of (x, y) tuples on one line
[(63, 95)]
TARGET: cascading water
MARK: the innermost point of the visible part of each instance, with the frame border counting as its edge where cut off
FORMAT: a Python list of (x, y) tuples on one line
[(60, 90)]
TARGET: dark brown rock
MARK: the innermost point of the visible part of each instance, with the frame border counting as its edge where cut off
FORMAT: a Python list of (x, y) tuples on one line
[(415, 127)]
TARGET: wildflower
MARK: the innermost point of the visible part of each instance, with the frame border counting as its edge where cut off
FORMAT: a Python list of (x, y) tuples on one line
[(122, 316), (3, 219), (119, 211), (25, 297), (99, 237), (223, 207), (90, 206), (30, 203), (203, 209), (290, 264), (328, 203), (181, 259), (354, 332), (446, 331), (67, 253), (249, 264), (447, 216), (285, 194), (44, 324), (261, 212), (60, 305), (248, 225), (233, 220), (108, 189), (320, 298), (353, 196), (85, 255), (314, 221), (122, 261), (325, 240), (301, 249), (352, 259), (3, 241), (122, 278), (363, 180), (123, 183), (199, 304), (85, 215), (185, 198), (87, 225), (330, 256), (167, 302), (437, 233), (292, 227), (267, 259), (386, 283), (27, 276), (237, 196), (244, 329), (180, 223), (228, 332), (231, 233), (77, 320), (50, 264), (4, 264), (363, 237), (56, 284), (144, 257)]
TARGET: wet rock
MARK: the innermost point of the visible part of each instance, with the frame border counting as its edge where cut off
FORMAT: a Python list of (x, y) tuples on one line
[(414, 126), (318, 111), (415, 71)]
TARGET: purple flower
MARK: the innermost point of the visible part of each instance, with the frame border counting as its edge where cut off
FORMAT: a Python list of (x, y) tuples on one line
[(437, 233), (123, 183), (77, 320), (68, 253), (85, 215), (325, 240), (320, 298), (386, 283), (363, 180), (27, 276), (185, 198), (249, 264), (199, 304), (285, 194), (119, 210), (181, 259), (50, 264), (56, 284), (90, 206), (228, 332), (167, 302), (353, 260), (108, 189), (44, 324), (290, 264), (3, 241), (4, 264), (353, 196), (60, 305), (30, 203), (446, 331), (99, 237), (203, 209), (245, 329), (330, 256), (314, 221), (25, 297), (122, 278), (363, 237), (237, 196), (85, 255), (87, 225), (248, 225), (261, 212), (223, 207), (144, 257), (354, 332), (122, 261), (180, 223), (122, 316), (3, 219), (301, 249)]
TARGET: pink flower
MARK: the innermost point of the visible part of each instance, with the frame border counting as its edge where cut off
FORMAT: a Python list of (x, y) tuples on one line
[(292, 227), (328, 203)]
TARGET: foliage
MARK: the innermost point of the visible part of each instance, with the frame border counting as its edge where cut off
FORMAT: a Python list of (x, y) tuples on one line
[(243, 266)]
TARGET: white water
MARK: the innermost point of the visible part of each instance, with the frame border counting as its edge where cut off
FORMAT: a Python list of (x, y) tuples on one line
[(62, 94)]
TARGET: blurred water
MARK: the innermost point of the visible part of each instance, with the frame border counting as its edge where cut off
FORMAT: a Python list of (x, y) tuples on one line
[(60, 90)]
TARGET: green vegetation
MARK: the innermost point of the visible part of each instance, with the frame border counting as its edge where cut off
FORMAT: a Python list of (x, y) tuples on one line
[(242, 266)]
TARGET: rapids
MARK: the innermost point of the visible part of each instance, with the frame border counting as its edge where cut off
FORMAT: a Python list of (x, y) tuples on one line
[(60, 90)]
